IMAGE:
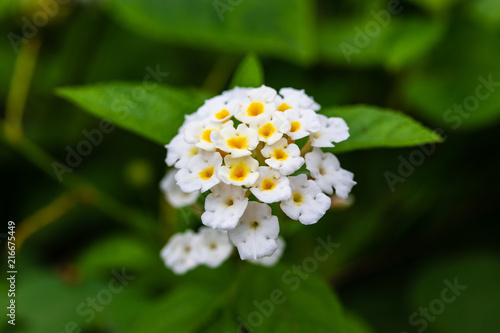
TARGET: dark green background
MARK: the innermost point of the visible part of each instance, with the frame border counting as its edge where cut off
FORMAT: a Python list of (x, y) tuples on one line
[(397, 247)]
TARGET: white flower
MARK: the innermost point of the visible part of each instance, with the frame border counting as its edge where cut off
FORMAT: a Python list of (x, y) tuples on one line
[(307, 203), (303, 121), (200, 173), (237, 93), (271, 128), (238, 142), (294, 98), (218, 109), (260, 103), (212, 247), (243, 144), (241, 171), (178, 253), (173, 193), (256, 233), (270, 186), (283, 156), (198, 133), (179, 152), (273, 258), (224, 206), (332, 129), (325, 169)]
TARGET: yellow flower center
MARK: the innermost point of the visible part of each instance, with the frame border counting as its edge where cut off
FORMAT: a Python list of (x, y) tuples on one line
[(207, 173), (279, 154), (268, 184), (222, 114), (295, 126), (254, 109), (267, 130), (239, 172), (239, 142), (297, 198), (283, 107), (206, 135), (194, 150)]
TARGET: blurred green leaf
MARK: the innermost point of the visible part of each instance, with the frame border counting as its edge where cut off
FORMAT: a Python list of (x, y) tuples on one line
[(223, 322), (395, 43), (249, 73), (278, 300), (281, 28), (458, 86), (117, 251), (354, 324), (184, 309), (373, 127), (473, 308), (436, 5), (153, 111), (70, 303), (486, 12)]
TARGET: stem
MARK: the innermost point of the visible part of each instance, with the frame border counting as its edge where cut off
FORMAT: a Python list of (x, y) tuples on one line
[(89, 193), (307, 148), (45, 216), (19, 87)]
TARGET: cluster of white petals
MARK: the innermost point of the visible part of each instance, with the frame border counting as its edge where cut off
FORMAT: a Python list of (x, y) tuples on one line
[(185, 251), (242, 147)]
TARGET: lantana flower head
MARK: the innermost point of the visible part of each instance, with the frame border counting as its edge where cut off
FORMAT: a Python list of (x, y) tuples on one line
[(243, 148)]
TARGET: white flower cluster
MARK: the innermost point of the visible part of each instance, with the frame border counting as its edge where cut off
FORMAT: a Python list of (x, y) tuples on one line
[(243, 143)]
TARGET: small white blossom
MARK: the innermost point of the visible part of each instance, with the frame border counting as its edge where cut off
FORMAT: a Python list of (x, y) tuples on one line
[(218, 109), (271, 128), (178, 253), (303, 122), (237, 93), (270, 186), (241, 171), (198, 133), (238, 142), (224, 206), (212, 247), (325, 169), (260, 104), (201, 173), (273, 258), (173, 193), (307, 203), (256, 233), (283, 156), (179, 152), (332, 129), (294, 98)]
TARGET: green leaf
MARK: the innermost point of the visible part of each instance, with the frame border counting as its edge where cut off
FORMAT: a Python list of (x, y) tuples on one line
[(279, 300), (397, 43), (472, 307), (373, 127), (249, 73), (58, 298), (155, 112), (226, 321), (117, 251), (183, 310), (486, 12), (450, 90), (282, 28), (436, 5), (354, 324)]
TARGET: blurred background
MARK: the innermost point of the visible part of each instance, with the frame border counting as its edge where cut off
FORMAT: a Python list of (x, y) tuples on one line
[(416, 226)]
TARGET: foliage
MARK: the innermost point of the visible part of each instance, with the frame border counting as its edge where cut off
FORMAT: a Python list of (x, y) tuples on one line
[(421, 78)]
